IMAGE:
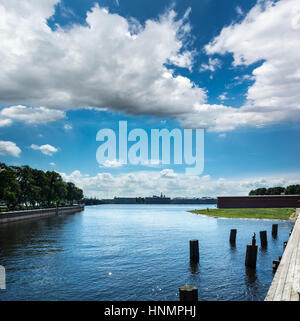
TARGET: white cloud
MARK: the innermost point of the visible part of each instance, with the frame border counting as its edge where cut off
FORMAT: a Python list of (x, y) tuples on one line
[(103, 64), (68, 127), (147, 183), (223, 96), (168, 173), (45, 149), (112, 163), (52, 164), (32, 115), (213, 65), (9, 148), (239, 11), (118, 64), (269, 33), (5, 122)]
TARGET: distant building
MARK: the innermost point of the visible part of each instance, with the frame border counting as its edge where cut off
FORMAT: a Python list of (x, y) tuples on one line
[(203, 200), (162, 199), (124, 200)]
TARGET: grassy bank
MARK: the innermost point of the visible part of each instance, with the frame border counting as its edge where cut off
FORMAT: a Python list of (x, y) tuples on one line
[(254, 213)]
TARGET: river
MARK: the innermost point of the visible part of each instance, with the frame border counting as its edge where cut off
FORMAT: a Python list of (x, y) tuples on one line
[(134, 252)]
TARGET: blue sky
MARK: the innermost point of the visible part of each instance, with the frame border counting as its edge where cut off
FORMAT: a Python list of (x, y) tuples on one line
[(72, 68)]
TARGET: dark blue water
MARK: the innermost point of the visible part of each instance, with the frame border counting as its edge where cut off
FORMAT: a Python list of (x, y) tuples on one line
[(134, 252)]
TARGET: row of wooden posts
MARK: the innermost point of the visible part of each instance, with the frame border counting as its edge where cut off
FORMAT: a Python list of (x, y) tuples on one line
[(190, 292)]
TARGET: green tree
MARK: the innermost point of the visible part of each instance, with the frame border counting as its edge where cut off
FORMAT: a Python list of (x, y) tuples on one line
[(56, 189), (292, 190), (40, 186), (258, 191), (9, 187), (25, 185), (25, 178), (278, 190)]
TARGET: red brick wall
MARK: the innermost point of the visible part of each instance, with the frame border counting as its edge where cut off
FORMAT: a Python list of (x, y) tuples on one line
[(259, 201)]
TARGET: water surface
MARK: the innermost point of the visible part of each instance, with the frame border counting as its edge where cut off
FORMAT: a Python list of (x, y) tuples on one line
[(134, 252)]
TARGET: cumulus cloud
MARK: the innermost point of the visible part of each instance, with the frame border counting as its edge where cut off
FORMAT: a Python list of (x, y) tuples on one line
[(32, 115), (270, 33), (9, 148), (116, 63), (45, 149), (112, 163), (103, 64), (146, 183), (5, 122)]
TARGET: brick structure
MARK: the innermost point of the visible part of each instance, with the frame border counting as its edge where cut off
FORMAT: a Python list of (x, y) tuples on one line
[(259, 201)]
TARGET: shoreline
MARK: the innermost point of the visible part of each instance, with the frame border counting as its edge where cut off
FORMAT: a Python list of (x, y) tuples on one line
[(16, 216), (244, 218), (229, 214)]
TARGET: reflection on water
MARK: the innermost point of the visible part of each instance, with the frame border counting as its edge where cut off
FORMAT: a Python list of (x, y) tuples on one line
[(251, 275), (194, 267), (134, 252)]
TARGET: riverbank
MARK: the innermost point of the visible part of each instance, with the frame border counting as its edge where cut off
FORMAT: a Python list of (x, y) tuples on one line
[(286, 214), (9, 217)]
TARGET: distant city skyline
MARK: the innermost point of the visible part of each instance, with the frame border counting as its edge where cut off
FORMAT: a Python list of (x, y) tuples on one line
[(70, 69)]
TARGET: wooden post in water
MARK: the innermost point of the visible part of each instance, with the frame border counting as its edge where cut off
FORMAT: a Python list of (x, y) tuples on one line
[(194, 251), (263, 238), (274, 230), (188, 293), (284, 245), (232, 236), (251, 254)]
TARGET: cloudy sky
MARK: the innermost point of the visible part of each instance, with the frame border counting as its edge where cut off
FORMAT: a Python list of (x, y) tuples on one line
[(71, 68)]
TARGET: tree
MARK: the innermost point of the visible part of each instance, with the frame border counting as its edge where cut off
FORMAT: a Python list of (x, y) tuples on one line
[(258, 191), (40, 186), (292, 190), (9, 187), (25, 185), (28, 193), (56, 189), (278, 190)]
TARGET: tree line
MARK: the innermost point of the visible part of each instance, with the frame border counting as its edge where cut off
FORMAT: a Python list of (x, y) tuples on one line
[(278, 190), (24, 186)]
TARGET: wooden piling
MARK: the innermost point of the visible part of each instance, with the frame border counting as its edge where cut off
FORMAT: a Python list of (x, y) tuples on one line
[(251, 254), (263, 238), (232, 236), (274, 230), (188, 293), (194, 251)]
